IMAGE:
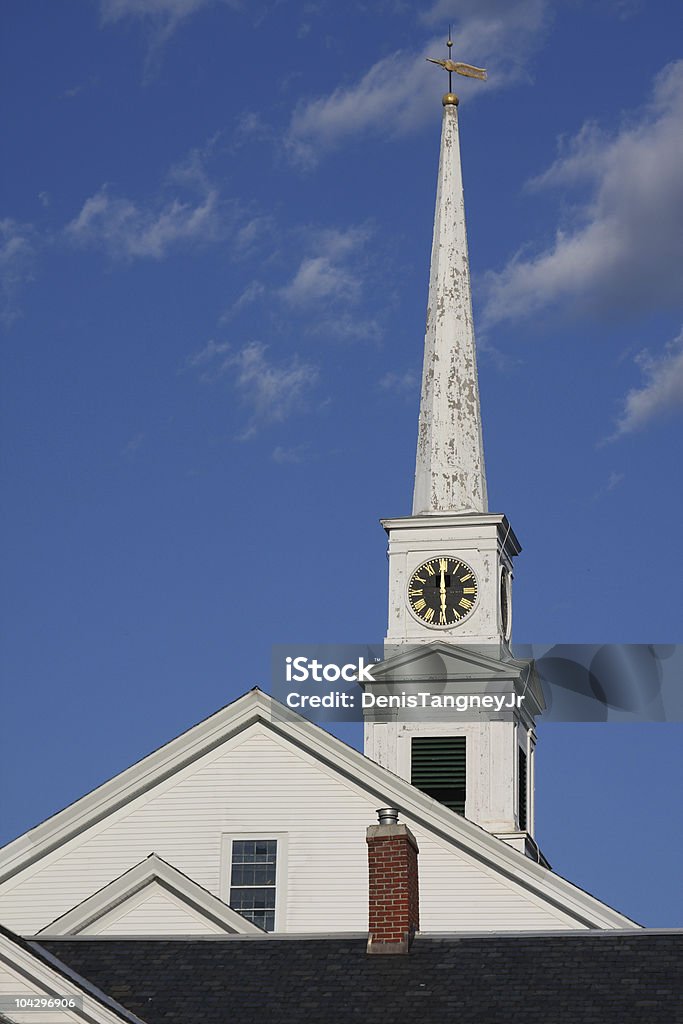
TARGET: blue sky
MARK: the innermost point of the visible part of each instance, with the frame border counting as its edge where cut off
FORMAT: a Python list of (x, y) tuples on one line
[(214, 246)]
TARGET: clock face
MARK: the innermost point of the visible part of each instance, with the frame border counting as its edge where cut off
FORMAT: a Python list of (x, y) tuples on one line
[(442, 591)]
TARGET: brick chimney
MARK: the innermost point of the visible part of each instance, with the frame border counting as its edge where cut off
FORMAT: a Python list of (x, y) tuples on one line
[(394, 897)]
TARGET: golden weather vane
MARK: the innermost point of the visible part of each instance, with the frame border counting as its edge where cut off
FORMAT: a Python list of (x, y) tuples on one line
[(468, 70)]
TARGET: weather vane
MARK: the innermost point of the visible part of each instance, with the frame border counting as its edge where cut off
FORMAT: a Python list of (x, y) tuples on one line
[(468, 70)]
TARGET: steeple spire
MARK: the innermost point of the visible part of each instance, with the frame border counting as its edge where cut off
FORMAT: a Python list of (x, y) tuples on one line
[(449, 469)]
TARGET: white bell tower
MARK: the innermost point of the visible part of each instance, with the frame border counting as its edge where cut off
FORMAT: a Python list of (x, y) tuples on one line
[(450, 572)]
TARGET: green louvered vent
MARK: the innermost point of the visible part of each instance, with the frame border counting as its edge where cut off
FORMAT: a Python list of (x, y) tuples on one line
[(437, 767), (522, 790)]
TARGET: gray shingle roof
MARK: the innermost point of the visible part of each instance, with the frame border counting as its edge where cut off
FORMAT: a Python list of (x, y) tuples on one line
[(602, 977)]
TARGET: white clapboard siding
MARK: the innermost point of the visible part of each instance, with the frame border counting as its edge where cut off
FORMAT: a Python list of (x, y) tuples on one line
[(259, 783)]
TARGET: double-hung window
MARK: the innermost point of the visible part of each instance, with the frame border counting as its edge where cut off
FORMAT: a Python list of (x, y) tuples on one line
[(253, 874)]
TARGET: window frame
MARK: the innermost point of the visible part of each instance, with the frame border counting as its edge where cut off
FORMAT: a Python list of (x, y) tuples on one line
[(227, 840)]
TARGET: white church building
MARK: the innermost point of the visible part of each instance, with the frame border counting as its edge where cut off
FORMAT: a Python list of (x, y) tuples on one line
[(256, 823)]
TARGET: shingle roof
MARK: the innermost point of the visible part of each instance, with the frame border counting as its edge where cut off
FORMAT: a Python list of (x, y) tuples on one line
[(627, 977)]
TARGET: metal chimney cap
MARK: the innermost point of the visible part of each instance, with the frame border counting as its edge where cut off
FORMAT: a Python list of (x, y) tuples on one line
[(387, 815)]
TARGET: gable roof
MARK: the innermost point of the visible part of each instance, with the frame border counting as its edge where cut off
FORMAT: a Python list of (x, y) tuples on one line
[(388, 789), (615, 977), (39, 972), (153, 871)]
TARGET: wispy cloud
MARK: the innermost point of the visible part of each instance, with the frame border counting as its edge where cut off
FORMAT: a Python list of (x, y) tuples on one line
[(167, 14), (17, 255), (405, 383), (126, 229), (212, 360), (325, 287), (499, 33), (271, 392), (660, 394), (319, 277), (160, 17), (625, 250), (254, 291), (331, 271), (253, 234), (612, 482), (291, 456), (345, 327), (187, 209)]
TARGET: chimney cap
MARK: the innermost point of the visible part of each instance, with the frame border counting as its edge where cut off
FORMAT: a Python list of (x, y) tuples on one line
[(387, 815)]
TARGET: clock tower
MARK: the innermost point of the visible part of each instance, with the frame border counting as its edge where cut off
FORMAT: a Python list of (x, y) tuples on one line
[(450, 574)]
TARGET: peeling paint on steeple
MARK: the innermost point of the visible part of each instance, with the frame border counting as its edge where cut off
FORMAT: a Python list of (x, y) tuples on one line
[(449, 469)]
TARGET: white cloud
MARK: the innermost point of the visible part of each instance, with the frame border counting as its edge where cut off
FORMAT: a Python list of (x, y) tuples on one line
[(612, 482), (252, 127), (290, 456), (252, 234), (17, 254), (400, 91), (661, 392), (400, 383), (625, 250), (271, 392), (344, 327), (252, 293), (326, 285), (318, 278), (331, 272), (126, 229), (211, 356)]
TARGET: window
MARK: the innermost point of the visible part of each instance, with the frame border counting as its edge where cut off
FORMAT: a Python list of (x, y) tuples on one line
[(252, 880), (437, 767), (521, 791)]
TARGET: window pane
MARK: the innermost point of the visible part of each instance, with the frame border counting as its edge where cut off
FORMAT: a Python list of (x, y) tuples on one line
[(249, 851), (253, 874), (253, 899)]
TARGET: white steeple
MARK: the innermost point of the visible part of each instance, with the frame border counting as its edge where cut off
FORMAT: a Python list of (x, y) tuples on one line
[(449, 469), (450, 572)]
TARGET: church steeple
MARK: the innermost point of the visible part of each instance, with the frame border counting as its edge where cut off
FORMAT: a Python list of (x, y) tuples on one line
[(449, 468), (450, 572)]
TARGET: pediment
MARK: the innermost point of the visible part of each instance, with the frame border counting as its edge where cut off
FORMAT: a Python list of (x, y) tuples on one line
[(151, 898), (439, 662)]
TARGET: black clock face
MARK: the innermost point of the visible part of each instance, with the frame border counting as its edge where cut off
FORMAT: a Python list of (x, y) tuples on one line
[(442, 591)]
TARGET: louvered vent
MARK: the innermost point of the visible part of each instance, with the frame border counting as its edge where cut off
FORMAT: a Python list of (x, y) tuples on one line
[(522, 790), (437, 767)]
